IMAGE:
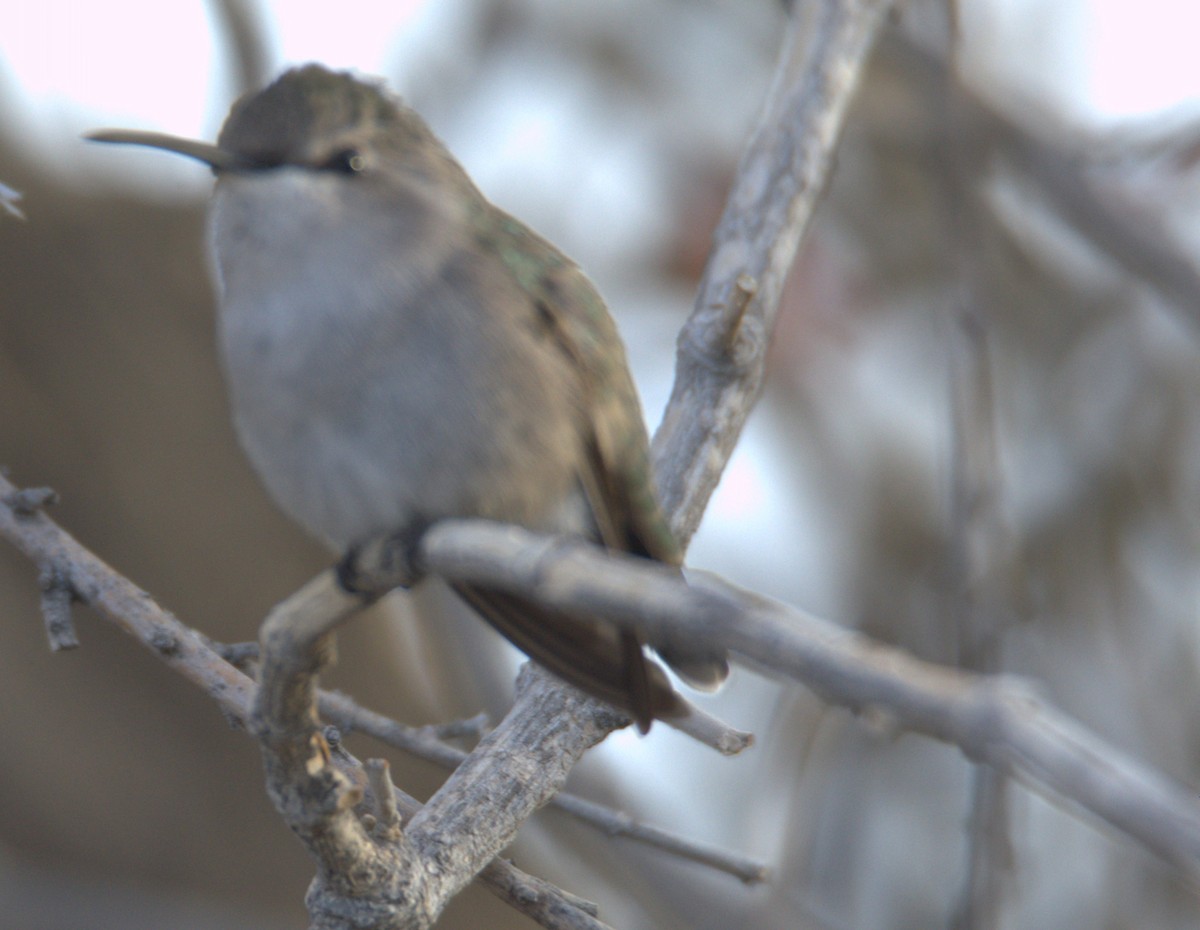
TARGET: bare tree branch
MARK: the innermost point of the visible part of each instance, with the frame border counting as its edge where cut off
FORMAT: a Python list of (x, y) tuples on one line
[(123, 603), (547, 731), (349, 716), (995, 719), (548, 905), (721, 355), (56, 608), (361, 879), (403, 878), (132, 610)]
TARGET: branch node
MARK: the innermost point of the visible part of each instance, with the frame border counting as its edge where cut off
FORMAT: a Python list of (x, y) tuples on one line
[(164, 642), (745, 288), (25, 502), (319, 756), (388, 823), (54, 581)]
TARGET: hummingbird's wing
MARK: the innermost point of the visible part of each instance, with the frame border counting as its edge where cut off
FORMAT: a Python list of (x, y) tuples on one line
[(587, 652), (572, 317), (616, 474)]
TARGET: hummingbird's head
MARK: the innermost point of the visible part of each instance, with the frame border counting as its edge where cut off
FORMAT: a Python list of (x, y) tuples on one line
[(314, 118), (321, 168), (309, 117)]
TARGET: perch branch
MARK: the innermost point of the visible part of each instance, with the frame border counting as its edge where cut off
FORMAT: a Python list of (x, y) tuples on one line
[(208, 666), (995, 719)]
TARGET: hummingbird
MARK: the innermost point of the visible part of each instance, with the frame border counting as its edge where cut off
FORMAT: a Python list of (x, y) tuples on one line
[(398, 350)]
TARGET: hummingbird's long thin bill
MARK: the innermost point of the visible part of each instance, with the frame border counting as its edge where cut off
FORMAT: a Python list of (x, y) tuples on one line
[(215, 157)]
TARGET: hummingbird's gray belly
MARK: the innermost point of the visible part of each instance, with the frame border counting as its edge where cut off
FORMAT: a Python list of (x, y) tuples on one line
[(410, 415)]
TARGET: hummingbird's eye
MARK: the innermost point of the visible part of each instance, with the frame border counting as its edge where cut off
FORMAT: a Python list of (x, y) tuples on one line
[(345, 161)]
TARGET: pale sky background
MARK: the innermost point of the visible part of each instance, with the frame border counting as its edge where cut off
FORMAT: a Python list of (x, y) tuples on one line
[(73, 64)]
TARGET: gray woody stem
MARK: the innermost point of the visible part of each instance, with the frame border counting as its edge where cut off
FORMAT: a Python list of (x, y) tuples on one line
[(995, 719), (401, 879), (722, 348)]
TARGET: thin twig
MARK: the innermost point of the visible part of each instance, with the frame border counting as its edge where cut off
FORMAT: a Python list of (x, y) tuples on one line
[(387, 816), (349, 716), (989, 852), (980, 541), (751, 871), (467, 728), (125, 605)]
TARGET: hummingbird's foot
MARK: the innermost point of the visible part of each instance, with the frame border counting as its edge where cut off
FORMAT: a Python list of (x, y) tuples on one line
[(370, 569)]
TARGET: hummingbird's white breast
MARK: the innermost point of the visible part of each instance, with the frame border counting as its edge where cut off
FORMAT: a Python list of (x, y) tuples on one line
[(376, 372)]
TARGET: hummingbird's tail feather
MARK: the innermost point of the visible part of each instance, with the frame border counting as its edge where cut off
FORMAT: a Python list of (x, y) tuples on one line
[(595, 656)]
